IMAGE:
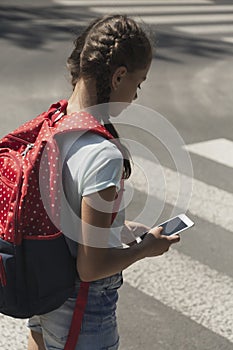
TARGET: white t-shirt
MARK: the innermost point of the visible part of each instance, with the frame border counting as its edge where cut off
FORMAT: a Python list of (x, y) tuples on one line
[(91, 163)]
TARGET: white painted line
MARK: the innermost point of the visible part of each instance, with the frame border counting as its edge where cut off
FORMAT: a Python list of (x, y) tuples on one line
[(64, 22), (219, 150), (189, 29), (228, 39), (197, 291), (207, 202), (206, 29), (198, 18), (128, 2), (9, 326), (163, 9)]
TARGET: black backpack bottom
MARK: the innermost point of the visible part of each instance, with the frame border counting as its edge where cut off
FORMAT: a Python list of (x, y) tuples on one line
[(36, 277)]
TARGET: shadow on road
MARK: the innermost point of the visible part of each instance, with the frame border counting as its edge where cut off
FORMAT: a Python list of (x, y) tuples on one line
[(31, 27)]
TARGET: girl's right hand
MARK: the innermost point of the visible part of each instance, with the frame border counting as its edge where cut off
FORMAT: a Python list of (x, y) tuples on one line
[(155, 243)]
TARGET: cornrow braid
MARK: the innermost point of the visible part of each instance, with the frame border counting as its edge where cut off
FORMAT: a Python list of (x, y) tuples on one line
[(73, 62), (108, 43)]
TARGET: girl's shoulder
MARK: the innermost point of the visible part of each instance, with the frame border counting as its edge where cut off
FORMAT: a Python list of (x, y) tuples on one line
[(88, 143)]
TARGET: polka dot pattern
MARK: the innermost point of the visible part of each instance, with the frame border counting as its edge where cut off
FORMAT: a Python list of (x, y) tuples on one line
[(29, 164), (82, 121)]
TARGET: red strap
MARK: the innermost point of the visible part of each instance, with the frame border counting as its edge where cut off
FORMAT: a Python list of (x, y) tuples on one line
[(77, 316)]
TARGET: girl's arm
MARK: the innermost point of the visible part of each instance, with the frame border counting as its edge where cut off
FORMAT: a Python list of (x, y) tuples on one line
[(95, 263)]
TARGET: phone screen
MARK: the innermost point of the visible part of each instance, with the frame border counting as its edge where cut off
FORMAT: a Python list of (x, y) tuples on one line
[(173, 226)]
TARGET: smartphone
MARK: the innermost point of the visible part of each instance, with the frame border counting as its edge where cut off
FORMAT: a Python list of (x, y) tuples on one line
[(174, 226)]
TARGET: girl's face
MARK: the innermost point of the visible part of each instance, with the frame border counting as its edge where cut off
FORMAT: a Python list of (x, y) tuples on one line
[(125, 84)]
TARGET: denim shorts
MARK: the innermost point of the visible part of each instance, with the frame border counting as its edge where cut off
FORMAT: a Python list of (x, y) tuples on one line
[(99, 326)]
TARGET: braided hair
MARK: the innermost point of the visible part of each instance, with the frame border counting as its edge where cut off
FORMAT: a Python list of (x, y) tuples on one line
[(108, 43)]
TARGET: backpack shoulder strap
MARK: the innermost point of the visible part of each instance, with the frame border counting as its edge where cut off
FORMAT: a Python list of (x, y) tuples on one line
[(79, 121)]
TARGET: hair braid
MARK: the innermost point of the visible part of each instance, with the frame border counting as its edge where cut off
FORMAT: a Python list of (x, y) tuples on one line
[(108, 43), (125, 152), (73, 62)]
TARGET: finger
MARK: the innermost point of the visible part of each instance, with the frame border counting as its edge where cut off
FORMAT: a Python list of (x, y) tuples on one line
[(156, 230), (174, 238), (159, 229)]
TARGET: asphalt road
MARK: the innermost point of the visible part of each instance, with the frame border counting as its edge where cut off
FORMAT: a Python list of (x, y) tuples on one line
[(183, 300)]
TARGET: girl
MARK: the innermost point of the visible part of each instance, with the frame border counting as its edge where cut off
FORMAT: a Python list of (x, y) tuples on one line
[(110, 60)]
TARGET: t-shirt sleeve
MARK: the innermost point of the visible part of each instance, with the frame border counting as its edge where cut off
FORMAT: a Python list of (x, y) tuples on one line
[(102, 168)]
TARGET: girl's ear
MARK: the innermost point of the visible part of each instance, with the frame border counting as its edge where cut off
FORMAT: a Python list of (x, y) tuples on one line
[(119, 73)]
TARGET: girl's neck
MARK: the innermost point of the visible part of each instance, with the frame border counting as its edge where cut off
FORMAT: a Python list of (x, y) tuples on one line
[(83, 96)]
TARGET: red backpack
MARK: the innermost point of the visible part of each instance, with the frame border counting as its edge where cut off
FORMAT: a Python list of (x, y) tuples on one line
[(37, 271)]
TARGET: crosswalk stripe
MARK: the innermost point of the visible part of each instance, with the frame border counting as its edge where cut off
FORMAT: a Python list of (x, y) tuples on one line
[(64, 23), (219, 150), (206, 29), (228, 39), (9, 326), (194, 29), (207, 202), (183, 284), (173, 19), (194, 17), (163, 9), (128, 2)]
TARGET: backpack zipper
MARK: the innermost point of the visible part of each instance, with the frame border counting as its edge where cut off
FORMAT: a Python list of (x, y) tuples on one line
[(28, 147), (28, 144), (18, 182), (60, 115)]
